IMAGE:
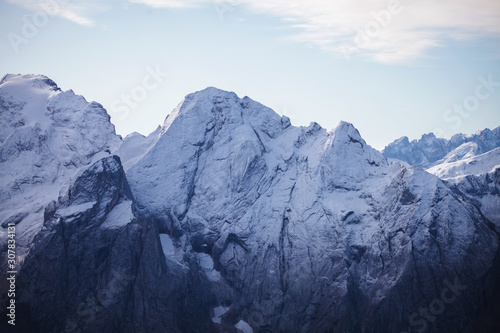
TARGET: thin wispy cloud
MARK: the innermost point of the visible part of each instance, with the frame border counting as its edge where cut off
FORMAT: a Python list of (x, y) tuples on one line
[(79, 12), (382, 30)]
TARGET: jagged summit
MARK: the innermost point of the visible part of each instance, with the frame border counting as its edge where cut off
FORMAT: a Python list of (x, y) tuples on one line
[(214, 107), (211, 92), (346, 132), (39, 81), (25, 97)]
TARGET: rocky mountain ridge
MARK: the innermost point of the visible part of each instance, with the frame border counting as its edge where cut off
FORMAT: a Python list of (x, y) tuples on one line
[(228, 218)]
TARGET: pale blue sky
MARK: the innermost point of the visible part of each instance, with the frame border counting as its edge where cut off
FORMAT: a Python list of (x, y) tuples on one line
[(404, 81)]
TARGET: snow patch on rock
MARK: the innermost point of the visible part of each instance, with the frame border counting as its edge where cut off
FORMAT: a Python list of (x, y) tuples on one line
[(243, 327), (119, 216), (218, 313), (207, 264)]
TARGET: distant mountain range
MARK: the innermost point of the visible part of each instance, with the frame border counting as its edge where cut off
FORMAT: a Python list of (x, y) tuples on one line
[(429, 150)]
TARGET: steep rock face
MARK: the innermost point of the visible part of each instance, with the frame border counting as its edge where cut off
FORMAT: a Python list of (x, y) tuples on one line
[(313, 230), (47, 136), (430, 151), (96, 267), (82, 248)]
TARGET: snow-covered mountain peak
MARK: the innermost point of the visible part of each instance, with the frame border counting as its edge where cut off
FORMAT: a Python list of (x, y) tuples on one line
[(47, 137), (211, 129), (25, 97), (192, 103), (402, 140), (213, 107), (428, 137), (36, 102), (347, 159), (40, 82), (346, 133), (211, 92)]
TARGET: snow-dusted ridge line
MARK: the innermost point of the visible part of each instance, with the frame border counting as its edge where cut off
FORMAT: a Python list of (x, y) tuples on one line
[(470, 165)]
